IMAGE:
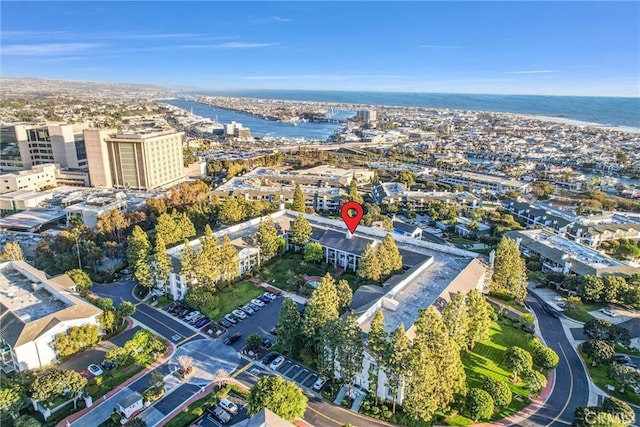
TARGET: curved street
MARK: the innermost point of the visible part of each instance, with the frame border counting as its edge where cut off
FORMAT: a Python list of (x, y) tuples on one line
[(571, 388)]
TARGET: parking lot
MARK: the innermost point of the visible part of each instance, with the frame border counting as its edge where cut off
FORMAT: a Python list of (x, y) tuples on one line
[(208, 420)]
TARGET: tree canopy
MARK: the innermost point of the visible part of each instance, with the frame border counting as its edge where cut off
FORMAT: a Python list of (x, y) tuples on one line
[(282, 397)]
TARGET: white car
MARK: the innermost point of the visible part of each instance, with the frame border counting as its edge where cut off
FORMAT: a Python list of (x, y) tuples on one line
[(559, 298), (608, 312), (240, 314), (271, 295), (318, 384), (257, 302), (95, 370), (277, 363), (229, 406), (192, 316)]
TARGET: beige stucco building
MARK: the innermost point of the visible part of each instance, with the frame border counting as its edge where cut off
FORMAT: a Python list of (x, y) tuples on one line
[(142, 160)]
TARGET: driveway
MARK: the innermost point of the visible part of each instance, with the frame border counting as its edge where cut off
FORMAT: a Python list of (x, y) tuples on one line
[(96, 355), (118, 291), (164, 324)]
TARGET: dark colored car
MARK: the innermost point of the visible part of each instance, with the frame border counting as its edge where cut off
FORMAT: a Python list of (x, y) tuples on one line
[(274, 330), (202, 322), (224, 323), (107, 366), (267, 343), (264, 298), (233, 338), (269, 358)]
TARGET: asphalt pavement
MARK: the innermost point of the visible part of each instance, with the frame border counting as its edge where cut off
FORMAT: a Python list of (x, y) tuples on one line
[(571, 388)]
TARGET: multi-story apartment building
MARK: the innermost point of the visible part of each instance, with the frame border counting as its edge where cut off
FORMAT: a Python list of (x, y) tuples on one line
[(142, 160), (478, 183), (35, 310), (595, 235)]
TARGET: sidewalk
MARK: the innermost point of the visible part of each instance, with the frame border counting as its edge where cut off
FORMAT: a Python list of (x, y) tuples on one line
[(75, 416)]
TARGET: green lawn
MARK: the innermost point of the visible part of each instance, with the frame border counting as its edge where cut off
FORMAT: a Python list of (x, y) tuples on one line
[(508, 301), (462, 241), (600, 378), (233, 296), (101, 385), (582, 313), (486, 360), (621, 349), (278, 268)]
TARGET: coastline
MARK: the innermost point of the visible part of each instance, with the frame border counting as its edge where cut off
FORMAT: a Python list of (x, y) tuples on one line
[(574, 122)]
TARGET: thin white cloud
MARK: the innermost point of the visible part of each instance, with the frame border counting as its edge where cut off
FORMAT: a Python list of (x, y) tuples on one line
[(34, 34), (531, 72), (271, 19), (238, 45), (47, 49), (436, 46)]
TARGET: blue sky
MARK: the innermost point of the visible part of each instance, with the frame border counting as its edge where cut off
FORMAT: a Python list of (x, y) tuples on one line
[(563, 48)]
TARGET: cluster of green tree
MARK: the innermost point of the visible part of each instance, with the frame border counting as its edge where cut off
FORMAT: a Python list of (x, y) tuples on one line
[(71, 247), (11, 252), (112, 318), (521, 363), (76, 339), (14, 390), (237, 167), (600, 329), (611, 412), (595, 201), (268, 240), (174, 227), (81, 279), (373, 214), (55, 382), (542, 190), (280, 396), (502, 221), (142, 349), (609, 289), (352, 192), (210, 264), (237, 209), (148, 266), (509, 271), (379, 262), (622, 249)]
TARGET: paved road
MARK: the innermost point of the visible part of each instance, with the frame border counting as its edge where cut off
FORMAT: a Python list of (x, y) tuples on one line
[(571, 388), (118, 291)]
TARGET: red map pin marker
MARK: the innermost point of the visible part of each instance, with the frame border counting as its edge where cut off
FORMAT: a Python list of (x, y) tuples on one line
[(352, 213)]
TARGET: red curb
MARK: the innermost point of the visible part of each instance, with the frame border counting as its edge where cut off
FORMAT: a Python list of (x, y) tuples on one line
[(537, 403), (73, 417)]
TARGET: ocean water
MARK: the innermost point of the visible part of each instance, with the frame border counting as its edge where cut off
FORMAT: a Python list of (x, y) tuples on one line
[(609, 111), (258, 126)]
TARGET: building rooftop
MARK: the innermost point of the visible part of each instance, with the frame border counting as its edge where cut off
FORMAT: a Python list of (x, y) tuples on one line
[(580, 253), (25, 298)]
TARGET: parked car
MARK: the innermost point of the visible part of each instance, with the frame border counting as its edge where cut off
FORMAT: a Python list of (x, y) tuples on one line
[(195, 319), (247, 309), (219, 413), (239, 314), (559, 298), (184, 313), (267, 343), (224, 323), (172, 306), (229, 406), (268, 358), (256, 308), (88, 375), (203, 322), (277, 362), (608, 312), (317, 386), (257, 302), (271, 295), (274, 330), (95, 370), (231, 318), (233, 338), (264, 298), (191, 316), (107, 366)]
